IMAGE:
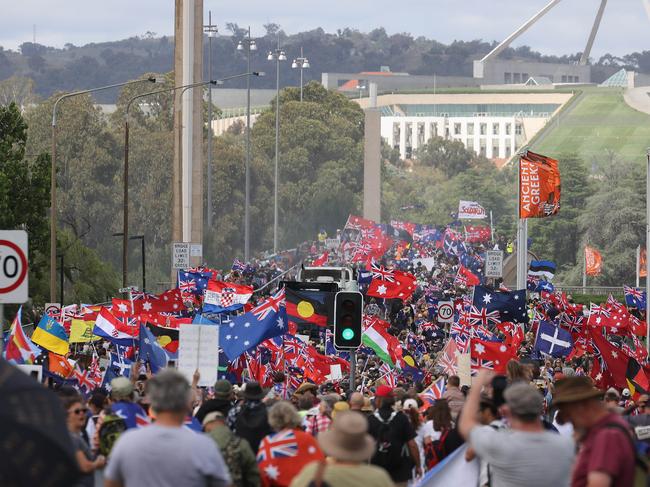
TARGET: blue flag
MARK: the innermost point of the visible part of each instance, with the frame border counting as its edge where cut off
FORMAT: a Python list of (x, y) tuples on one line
[(151, 351), (542, 268), (511, 305), (553, 340), (635, 297), (246, 331)]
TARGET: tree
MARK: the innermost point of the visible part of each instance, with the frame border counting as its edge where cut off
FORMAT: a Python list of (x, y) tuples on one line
[(18, 90), (449, 156)]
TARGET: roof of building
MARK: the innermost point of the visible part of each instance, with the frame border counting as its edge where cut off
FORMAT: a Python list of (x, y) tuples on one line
[(538, 81), (618, 79)]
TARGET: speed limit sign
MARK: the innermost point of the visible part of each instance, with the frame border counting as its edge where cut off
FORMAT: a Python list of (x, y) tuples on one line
[(445, 311), (13, 266)]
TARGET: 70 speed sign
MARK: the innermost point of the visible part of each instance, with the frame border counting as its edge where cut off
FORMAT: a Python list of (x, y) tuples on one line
[(13, 266), (445, 311)]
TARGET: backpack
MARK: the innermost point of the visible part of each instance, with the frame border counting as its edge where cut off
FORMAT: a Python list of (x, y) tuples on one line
[(112, 427), (640, 465), (232, 458), (435, 451), (252, 425), (389, 456)]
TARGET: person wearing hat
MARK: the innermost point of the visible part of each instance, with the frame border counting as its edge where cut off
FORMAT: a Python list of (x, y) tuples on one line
[(526, 454), (397, 451), (612, 397), (607, 454), (348, 447), (122, 404), (236, 452), (249, 418), (222, 400)]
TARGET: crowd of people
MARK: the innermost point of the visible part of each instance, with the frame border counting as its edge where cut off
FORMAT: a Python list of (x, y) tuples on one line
[(537, 420)]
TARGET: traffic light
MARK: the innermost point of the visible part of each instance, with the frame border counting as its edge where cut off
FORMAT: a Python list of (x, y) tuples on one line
[(348, 317)]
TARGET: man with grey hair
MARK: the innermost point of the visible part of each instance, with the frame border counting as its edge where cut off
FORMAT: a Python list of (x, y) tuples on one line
[(526, 454), (166, 453)]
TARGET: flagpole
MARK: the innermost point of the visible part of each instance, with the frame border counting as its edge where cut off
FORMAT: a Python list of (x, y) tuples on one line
[(584, 271), (522, 235), (647, 246), (491, 229), (638, 265)]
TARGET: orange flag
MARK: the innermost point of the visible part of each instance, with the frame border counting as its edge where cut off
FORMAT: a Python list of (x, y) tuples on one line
[(643, 270), (539, 186), (593, 261)]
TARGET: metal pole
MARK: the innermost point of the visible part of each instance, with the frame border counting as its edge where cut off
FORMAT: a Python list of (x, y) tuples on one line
[(302, 62), (522, 238), (53, 214), (647, 246), (2, 329), (210, 122), (247, 183), (125, 202), (638, 265), (491, 228), (353, 369), (277, 143), (62, 277), (584, 272), (144, 268)]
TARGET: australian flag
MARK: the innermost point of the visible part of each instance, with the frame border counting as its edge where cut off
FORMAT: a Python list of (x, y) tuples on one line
[(635, 297), (193, 282), (553, 340), (511, 305), (246, 331)]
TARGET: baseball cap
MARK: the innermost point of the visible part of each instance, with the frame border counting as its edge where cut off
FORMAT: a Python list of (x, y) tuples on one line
[(121, 387), (523, 399), (384, 391)]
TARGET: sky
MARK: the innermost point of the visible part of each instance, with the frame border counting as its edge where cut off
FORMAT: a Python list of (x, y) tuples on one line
[(563, 30)]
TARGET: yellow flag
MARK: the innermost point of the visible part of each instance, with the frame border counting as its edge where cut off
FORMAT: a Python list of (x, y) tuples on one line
[(82, 331)]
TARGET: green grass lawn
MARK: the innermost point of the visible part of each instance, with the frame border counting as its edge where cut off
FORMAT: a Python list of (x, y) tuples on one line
[(600, 122)]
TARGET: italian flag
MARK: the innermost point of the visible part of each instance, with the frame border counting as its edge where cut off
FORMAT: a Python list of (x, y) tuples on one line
[(386, 346)]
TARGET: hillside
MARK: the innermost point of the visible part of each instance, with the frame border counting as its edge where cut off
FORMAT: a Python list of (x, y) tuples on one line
[(347, 50)]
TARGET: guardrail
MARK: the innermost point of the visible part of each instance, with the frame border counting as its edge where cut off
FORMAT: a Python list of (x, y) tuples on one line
[(594, 290)]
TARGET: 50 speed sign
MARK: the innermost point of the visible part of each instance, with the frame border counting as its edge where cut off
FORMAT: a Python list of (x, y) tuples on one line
[(13, 266)]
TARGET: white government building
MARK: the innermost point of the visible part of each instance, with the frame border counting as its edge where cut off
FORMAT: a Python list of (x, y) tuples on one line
[(495, 125)]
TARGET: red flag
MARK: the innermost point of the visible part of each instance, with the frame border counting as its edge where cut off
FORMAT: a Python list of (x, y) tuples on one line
[(610, 362), (322, 260), (391, 283), (539, 186), (496, 354), (466, 278), (170, 301)]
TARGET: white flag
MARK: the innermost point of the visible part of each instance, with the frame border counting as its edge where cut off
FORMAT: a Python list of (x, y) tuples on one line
[(470, 210)]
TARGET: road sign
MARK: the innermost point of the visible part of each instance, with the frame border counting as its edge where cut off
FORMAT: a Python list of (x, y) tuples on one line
[(13, 267), (53, 310), (445, 311), (128, 289), (494, 263), (180, 255)]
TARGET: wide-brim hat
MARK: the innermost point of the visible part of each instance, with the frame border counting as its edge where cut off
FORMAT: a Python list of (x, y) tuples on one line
[(348, 438), (574, 389), (254, 391), (306, 386)]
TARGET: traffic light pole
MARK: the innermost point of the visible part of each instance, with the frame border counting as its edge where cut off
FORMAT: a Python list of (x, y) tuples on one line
[(353, 370)]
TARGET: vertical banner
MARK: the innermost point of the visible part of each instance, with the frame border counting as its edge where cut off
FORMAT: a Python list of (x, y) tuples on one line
[(643, 259), (593, 261), (539, 186)]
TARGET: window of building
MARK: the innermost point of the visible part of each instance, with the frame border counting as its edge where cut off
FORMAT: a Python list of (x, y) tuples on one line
[(576, 79), (483, 129), (470, 129), (508, 151), (519, 129), (516, 78), (564, 78), (524, 77), (495, 147), (470, 144), (507, 78), (482, 147), (434, 129), (508, 128), (446, 132), (420, 132), (495, 129), (456, 129)]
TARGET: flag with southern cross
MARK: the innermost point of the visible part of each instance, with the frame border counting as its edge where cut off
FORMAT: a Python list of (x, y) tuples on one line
[(246, 331), (635, 297), (193, 282), (553, 340), (511, 305)]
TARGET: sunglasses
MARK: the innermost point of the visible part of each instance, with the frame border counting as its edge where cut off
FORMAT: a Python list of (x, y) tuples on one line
[(79, 410)]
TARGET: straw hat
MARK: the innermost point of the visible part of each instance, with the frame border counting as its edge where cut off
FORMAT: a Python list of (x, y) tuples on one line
[(574, 389), (348, 438)]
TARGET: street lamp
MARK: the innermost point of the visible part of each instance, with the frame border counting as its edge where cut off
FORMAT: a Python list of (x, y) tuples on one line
[(303, 63), (144, 271), (277, 56), (211, 30), (125, 202), (250, 46), (53, 173)]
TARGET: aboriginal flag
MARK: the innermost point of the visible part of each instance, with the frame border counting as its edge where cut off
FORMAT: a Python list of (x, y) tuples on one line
[(636, 378), (539, 186), (310, 307), (167, 337)]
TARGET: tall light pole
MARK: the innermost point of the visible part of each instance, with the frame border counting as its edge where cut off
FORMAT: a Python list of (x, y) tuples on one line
[(125, 202), (277, 56), (53, 173), (361, 87), (303, 63), (211, 30), (250, 46)]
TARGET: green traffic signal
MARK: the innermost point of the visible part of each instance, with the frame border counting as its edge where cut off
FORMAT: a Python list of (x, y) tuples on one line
[(348, 334)]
